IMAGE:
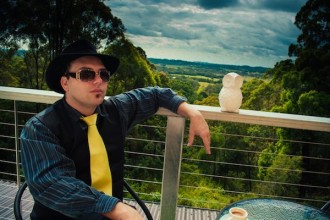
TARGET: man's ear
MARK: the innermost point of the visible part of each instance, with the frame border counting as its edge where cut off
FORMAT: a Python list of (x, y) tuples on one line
[(64, 83)]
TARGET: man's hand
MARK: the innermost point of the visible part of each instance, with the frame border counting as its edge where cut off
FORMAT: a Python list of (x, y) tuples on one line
[(198, 125), (123, 212)]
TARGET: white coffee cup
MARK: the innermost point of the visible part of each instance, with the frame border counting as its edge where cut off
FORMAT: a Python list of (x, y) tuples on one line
[(237, 213)]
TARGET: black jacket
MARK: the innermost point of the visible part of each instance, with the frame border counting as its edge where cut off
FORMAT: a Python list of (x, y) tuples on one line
[(66, 124)]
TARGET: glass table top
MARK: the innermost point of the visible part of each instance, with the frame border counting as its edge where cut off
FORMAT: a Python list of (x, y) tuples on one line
[(275, 209)]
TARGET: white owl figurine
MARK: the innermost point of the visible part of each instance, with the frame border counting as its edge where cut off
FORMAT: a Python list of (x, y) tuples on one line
[(230, 96)]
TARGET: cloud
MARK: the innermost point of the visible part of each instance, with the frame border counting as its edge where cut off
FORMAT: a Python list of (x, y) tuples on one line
[(246, 32), (280, 5), (211, 4)]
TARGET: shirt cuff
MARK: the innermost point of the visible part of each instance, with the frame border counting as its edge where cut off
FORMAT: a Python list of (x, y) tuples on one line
[(170, 100), (176, 101), (106, 203)]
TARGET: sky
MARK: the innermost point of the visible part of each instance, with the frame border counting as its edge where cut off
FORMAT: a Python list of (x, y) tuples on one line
[(237, 32)]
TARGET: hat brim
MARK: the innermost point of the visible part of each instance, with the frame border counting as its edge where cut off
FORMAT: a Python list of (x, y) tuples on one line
[(59, 65)]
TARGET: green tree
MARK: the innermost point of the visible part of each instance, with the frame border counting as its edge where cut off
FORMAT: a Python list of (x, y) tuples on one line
[(260, 95), (134, 71), (305, 86), (297, 86), (286, 170), (209, 100), (313, 46), (314, 103), (11, 67), (186, 87), (45, 27), (313, 21)]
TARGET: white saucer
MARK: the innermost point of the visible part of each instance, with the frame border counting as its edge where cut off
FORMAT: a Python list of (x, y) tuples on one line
[(227, 217)]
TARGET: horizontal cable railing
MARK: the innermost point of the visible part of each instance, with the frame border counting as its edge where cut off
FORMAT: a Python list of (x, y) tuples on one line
[(236, 193), (232, 172)]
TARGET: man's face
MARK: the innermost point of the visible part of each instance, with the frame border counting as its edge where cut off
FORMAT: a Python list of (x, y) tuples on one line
[(84, 96)]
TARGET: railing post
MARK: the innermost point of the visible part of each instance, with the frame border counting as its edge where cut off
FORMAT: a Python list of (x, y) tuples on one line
[(172, 166), (18, 179)]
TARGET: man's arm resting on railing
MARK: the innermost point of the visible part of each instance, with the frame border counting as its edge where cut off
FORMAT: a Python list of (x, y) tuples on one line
[(198, 125)]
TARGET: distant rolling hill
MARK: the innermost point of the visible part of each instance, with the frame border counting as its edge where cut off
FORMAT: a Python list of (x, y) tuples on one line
[(205, 69)]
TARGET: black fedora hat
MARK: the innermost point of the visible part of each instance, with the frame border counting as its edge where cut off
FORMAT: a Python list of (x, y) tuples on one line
[(80, 48)]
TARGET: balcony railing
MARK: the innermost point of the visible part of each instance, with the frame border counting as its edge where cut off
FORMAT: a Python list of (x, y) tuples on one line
[(174, 165)]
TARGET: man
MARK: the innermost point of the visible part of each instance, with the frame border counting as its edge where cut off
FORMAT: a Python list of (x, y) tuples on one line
[(58, 146)]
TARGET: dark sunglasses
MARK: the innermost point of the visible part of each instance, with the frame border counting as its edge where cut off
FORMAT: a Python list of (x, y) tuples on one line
[(87, 75)]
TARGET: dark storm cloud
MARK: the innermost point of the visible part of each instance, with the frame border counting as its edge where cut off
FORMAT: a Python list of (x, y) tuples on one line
[(155, 20), (212, 4), (280, 5)]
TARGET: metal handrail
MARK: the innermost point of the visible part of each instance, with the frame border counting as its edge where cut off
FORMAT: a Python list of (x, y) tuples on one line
[(210, 113)]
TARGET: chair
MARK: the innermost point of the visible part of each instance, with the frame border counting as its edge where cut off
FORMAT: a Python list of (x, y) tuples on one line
[(22, 188), (326, 207)]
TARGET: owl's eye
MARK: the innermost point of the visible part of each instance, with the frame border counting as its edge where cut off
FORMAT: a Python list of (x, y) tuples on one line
[(227, 81)]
